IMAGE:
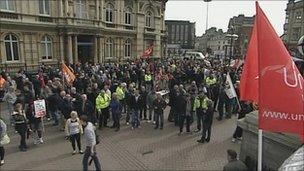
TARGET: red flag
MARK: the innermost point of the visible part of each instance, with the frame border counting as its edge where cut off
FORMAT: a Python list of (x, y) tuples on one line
[(281, 99), (148, 52), (69, 76), (249, 78)]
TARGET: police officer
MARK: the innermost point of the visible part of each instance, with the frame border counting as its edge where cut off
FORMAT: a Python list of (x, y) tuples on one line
[(102, 106)]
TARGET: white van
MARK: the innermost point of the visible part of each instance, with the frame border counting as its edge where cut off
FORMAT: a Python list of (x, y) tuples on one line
[(194, 55)]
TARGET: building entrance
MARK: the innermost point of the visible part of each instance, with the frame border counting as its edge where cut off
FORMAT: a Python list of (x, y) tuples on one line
[(85, 49)]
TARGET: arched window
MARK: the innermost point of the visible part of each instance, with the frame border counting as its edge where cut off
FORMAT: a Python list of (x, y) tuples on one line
[(110, 13), (109, 49), (128, 16), (46, 48), (128, 48), (148, 19), (11, 47)]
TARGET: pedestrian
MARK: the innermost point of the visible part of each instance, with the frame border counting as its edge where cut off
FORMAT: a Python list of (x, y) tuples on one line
[(201, 107), (73, 130), (116, 109), (150, 99), (159, 107), (21, 125), (207, 122), (90, 139), (135, 108), (143, 103), (102, 106), (3, 137), (35, 124), (10, 99), (233, 163), (187, 108)]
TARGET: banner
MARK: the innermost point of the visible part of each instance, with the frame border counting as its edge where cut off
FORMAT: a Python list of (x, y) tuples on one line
[(230, 91), (68, 75), (281, 99), (40, 108)]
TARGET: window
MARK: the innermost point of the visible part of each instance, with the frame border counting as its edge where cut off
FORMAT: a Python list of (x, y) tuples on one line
[(128, 48), (44, 7), (46, 48), (109, 13), (177, 38), (109, 48), (81, 11), (128, 16), (7, 5), (11, 48), (186, 33), (298, 16), (173, 33), (148, 19)]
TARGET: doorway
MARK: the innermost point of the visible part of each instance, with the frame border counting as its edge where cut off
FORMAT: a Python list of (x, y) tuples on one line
[(85, 49)]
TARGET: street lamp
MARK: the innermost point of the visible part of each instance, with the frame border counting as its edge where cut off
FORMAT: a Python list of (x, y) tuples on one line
[(207, 13), (232, 38)]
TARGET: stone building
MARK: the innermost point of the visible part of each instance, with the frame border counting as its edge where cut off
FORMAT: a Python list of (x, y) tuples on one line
[(218, 44), (48, 31), (242, 27), (294, 25), (180, 36)]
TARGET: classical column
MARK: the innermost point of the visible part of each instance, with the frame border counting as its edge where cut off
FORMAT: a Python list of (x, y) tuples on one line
[(61, 47), (60, 11), (97, 9), (75, 49), (95, 49), (70, 50), (100, 60), (67, 7)]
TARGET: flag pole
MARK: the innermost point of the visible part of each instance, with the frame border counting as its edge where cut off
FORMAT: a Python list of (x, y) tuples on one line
[(260, 149)]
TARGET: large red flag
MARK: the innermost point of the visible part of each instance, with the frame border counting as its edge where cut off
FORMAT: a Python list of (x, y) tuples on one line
[(249, 77), (281, 99)]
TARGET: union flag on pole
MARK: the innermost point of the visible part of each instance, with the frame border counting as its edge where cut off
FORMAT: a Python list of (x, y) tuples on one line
[(68, 75), (280, 84)]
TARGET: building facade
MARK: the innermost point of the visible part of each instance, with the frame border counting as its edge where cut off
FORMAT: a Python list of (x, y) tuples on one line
[(180, 36), (294, 25), (46, 31), (240, 25)]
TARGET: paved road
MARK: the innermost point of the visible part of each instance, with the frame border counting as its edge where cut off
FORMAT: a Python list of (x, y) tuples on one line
[(141, 149)]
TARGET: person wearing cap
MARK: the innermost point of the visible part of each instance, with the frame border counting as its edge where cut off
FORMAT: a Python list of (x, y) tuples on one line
[(233, 163), (102, 107), (200, 104)]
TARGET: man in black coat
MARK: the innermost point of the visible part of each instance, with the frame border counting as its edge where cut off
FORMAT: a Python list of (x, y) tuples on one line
[(87, 109), (207, 123), (173, 115), (135, 105)]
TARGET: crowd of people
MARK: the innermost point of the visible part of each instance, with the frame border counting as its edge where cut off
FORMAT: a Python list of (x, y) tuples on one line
[(133, 92)]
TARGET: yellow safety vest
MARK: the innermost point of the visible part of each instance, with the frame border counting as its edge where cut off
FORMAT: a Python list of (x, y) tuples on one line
[(148, 78), (210, 81), (120, 93), (102, 102)]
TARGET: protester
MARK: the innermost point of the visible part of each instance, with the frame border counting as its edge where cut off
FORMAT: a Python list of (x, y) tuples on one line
[(187, 108), (135, 105), (73, 130), (159, 107), (21, 125), (10, 99), (233, 163), (90, 139), (116, 109), (2, 136)]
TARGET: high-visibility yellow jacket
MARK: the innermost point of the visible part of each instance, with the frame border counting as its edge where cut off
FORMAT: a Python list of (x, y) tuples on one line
[(148, 77), (120, 93), (210, 81), (201, 103), (102, 102)]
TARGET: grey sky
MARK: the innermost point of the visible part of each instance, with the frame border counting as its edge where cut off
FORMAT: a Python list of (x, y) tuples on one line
[(221, 11)]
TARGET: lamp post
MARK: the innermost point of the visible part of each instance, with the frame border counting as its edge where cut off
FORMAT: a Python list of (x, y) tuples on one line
[(232, 38)]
